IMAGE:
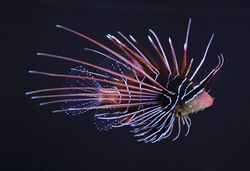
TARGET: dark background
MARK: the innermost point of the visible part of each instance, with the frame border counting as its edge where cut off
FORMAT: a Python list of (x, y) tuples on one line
[(34, 139)]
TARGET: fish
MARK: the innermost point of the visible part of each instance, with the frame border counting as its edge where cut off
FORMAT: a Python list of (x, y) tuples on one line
[(133, 87)]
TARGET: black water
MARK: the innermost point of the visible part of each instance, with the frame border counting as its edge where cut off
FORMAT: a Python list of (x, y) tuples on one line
[(34, 139)]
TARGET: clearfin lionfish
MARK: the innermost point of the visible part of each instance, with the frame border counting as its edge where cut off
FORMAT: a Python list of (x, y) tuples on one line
[(133, 87)]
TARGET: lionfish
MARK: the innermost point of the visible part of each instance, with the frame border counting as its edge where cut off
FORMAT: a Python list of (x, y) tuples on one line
[(133, 88)]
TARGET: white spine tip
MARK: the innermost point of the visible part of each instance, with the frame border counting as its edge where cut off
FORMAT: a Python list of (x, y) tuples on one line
[(109, 36), (57, 111), (152, 32), (150, 39), (27, 93), (185, 46), (58, 26), (170, 41), (132, 38), (30, 71)]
